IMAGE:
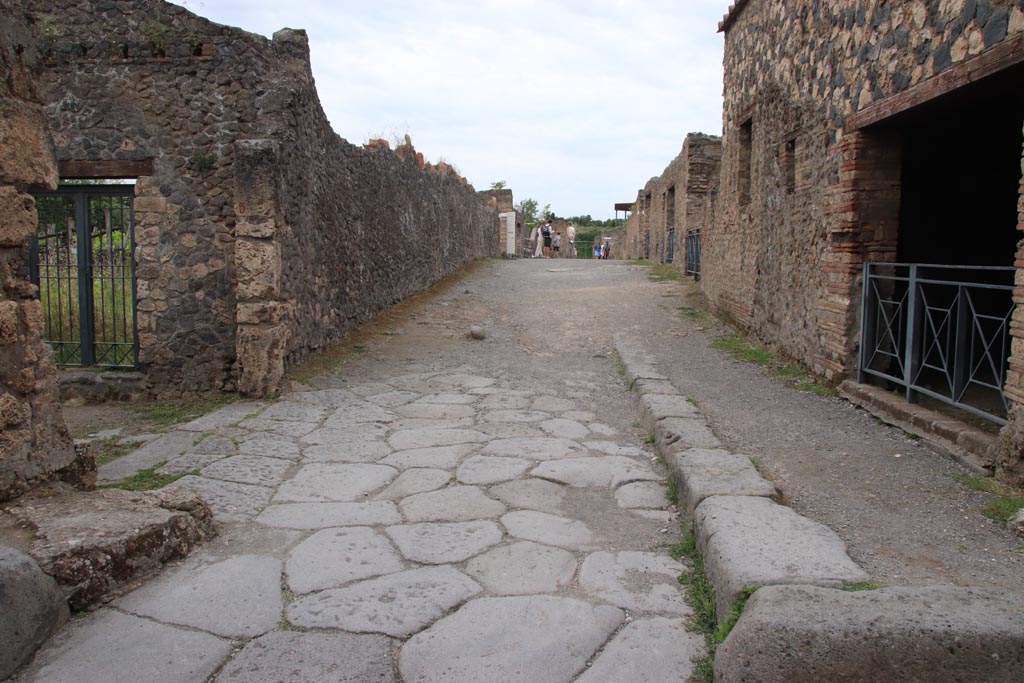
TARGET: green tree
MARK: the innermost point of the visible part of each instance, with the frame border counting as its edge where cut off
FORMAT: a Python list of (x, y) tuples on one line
[(499, 185), (528, 209)]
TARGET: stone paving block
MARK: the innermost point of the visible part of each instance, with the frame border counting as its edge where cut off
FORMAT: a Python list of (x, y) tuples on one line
[(516, 416), (548, 529), (396, 605), (552, 404), (614, 448), (481, 469), (635, 581), (166, 448), (430, 438), (436, 543), (269, 445), (641, 494), (436, 411), (358, 413), (292, 657), (654, 407), (702, 473), (679, 433), (341, 434), (295, 411), (237, 598), (751, 541), (417, 423), (462, 381), (281, 427), (602, 429), (531, 494), (565, 429), (390, 399), (370, 388), (606, 470), (453, 399), (539, 448), (230, 501), (189, 462), (439, 457), (334, 557), (362, 450), (334, 398), (331, 482), (523, 568), (505, 402), (229, 415), (511, 430), (324, 515), (656, 650), (413, 481), (452, 504), (579, 415), (654, 386), (249, 469), (512, 640), (113, 647), (215, 445), (32, 605), (634, 370), (806, 634)]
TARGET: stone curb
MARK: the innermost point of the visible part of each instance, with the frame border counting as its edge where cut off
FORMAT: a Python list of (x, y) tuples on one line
[(744, 537)]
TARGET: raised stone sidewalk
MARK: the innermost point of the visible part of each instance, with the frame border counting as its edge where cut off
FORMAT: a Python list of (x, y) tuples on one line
[(800, 625), (443, 526)]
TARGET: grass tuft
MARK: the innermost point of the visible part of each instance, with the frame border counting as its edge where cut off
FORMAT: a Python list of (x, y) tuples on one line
[(108, 450), (857, 586), (163, 415), (748, 351), (649, 440), (147, 480), (1006, 500), (672, 491)]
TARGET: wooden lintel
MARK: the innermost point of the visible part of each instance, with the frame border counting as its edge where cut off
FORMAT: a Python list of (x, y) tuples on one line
[(107, 170), (990, 62)]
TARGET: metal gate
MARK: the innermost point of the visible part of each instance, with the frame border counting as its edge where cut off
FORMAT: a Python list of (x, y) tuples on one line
[(82, 261), (693, 253), (671, 245), (939, 331), (647, 246)]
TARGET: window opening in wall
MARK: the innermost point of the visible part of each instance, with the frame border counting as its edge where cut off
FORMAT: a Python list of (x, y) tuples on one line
[(789, 165), (82, 261), (746, 136)]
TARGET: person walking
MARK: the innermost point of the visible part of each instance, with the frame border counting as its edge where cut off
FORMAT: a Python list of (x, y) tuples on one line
[(597, 248), (546, 234), (570, 234), (556, 245), (606, 249)]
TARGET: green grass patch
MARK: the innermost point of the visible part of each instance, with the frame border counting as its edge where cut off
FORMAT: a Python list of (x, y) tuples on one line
[(748, 351), (147, 480), (700, 596), (162, 415), (107, 450), (856, 586), (1005, 501), (672, 491), (695, 314), (649, 440), (360, 348)]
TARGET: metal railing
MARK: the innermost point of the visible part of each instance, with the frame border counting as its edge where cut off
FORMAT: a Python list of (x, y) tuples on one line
[(670, 256), (82, 262), (693, 253), (939, 331)]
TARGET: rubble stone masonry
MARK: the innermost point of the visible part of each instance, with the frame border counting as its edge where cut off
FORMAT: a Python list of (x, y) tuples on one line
[(34, 443), (261, 235)]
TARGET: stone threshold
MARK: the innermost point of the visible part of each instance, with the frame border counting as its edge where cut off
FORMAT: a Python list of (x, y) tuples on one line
[(969, 446)]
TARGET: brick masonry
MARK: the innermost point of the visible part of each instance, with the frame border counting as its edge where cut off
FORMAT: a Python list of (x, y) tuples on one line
[(261, 235), (34, 443)]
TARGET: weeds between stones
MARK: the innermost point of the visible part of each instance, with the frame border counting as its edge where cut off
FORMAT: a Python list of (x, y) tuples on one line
[(672, 491), (857, 586), (108, 450), (1006, 500), (649, 440), (700, 596), (147, 480), (748, 351), (162, 415)]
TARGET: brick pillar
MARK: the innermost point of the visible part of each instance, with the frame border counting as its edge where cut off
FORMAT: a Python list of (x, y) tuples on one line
[(1010, 455), (862, 217), (261, 314), (34, 443)]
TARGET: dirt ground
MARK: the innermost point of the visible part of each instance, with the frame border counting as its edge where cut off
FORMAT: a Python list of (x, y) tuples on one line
[(891, 498)]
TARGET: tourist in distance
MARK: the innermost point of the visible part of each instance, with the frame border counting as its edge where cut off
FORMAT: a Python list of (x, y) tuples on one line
[(597, 248), (537, 242), (606, 249), (570, 234), (556, 244), (546, 234)]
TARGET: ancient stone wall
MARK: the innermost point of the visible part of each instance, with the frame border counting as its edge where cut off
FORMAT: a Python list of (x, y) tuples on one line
[(34, 443), (238, 262), (780, 258)]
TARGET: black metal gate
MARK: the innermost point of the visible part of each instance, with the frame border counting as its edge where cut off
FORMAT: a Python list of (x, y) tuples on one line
[(647, 246), (939, 331), (693, 253), (83, 263), (671, 245)]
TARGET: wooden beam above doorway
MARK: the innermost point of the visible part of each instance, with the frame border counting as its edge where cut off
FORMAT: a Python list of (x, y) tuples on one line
[(105, 170)]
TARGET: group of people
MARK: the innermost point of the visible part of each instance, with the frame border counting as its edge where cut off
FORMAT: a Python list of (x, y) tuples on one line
[(549, 244)]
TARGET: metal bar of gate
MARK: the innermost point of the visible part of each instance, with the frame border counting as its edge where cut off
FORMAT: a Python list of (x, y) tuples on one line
[(85, 294), (911, 357)]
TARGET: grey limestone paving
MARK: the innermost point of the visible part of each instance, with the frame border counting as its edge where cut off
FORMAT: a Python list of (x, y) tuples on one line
[(438, 517), (167, 447)]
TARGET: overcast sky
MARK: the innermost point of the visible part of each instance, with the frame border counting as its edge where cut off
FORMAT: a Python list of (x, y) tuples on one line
[(574, 103)]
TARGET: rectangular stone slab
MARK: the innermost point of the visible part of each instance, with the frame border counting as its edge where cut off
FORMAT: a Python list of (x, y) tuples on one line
[(751, 541), (673, 434), (654, 407), (805, 634), (704, 472)]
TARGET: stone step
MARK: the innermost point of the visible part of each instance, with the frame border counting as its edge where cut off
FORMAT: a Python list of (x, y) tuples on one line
[(749, 541), (807, 634), (701, 473)]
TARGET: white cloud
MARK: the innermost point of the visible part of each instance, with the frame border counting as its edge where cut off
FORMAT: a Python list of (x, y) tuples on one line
[(574, 103)]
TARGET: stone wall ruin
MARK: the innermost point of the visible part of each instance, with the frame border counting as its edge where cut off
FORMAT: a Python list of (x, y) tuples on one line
[(261, 235)]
